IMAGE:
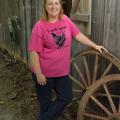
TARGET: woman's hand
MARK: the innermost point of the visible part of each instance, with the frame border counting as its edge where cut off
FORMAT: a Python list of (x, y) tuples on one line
[(41, 79), (101, 49)]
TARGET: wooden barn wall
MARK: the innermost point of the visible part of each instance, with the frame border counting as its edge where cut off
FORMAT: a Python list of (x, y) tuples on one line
[(25, 13), (112, 27), (106, 24)]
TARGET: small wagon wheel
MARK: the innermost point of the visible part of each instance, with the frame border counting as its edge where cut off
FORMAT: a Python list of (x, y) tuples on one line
[(100, 101), (89, 66)]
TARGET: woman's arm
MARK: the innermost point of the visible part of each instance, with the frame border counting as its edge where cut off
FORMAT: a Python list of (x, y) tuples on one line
[(86, 41), (34, 58)]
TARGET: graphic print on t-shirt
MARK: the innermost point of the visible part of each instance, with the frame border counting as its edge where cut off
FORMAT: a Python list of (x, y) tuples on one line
[(59, 39)]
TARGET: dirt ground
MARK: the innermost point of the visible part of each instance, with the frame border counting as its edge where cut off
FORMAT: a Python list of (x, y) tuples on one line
[(17, 94)]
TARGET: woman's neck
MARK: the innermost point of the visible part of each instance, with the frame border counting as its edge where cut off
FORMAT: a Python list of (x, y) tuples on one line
[(53, 19)]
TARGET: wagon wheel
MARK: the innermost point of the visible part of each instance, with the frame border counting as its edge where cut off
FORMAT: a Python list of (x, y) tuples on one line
[(101, 101), (89, 66)]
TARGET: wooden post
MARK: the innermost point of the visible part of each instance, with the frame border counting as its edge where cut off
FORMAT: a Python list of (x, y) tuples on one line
[(38, 8)]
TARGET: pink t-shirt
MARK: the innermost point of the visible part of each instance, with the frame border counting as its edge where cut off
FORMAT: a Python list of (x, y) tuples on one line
[(52, 41)]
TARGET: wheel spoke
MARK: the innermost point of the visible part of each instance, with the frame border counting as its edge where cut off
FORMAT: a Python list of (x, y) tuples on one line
[(87, 70), (80, 74), (77, 91), (100, 105), (105, 95), (110, 99), (95, 68), (94, 116), (107, 69), (76, 81)]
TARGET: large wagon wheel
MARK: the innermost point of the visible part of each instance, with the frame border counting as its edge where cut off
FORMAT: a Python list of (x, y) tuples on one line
[(100, 101), (87, 67)]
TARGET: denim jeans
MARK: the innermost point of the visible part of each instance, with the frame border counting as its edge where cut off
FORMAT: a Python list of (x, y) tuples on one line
[(50, 110)]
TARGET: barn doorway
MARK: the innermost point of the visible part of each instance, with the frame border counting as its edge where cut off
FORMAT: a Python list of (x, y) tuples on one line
[(67, 5)]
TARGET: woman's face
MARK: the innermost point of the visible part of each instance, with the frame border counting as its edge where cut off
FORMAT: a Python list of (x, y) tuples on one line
[(53, 8)]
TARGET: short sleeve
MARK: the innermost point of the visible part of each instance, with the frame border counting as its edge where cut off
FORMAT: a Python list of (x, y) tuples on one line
[(36, 42), (73, 28)]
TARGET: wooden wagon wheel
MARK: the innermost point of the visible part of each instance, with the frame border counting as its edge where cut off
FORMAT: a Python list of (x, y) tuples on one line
[(89, 66), (100, 101)]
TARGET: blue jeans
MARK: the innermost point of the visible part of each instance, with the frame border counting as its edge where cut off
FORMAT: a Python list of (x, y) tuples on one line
[(50, 110)]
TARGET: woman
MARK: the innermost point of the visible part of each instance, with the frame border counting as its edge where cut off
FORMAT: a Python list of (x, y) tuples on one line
[(49, 48)]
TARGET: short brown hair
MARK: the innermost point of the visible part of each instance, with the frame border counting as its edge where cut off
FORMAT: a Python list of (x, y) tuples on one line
[(44, 15)]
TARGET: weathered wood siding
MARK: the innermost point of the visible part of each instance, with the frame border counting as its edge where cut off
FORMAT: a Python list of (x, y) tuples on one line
[(97, 20), (112, 27), (24, 12), (106, 24)]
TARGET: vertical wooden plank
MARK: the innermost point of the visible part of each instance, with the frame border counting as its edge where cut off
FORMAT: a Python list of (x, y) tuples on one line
[(4, 22), (82, 9), (89, 12), (28, 18), (112, 27), (83, 6), (106, 22), (1, 38), (97, 21), (28, 25), (23, 28), (1, 22), (34, 11), (74, 6), (39, 5), (117, 29)]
